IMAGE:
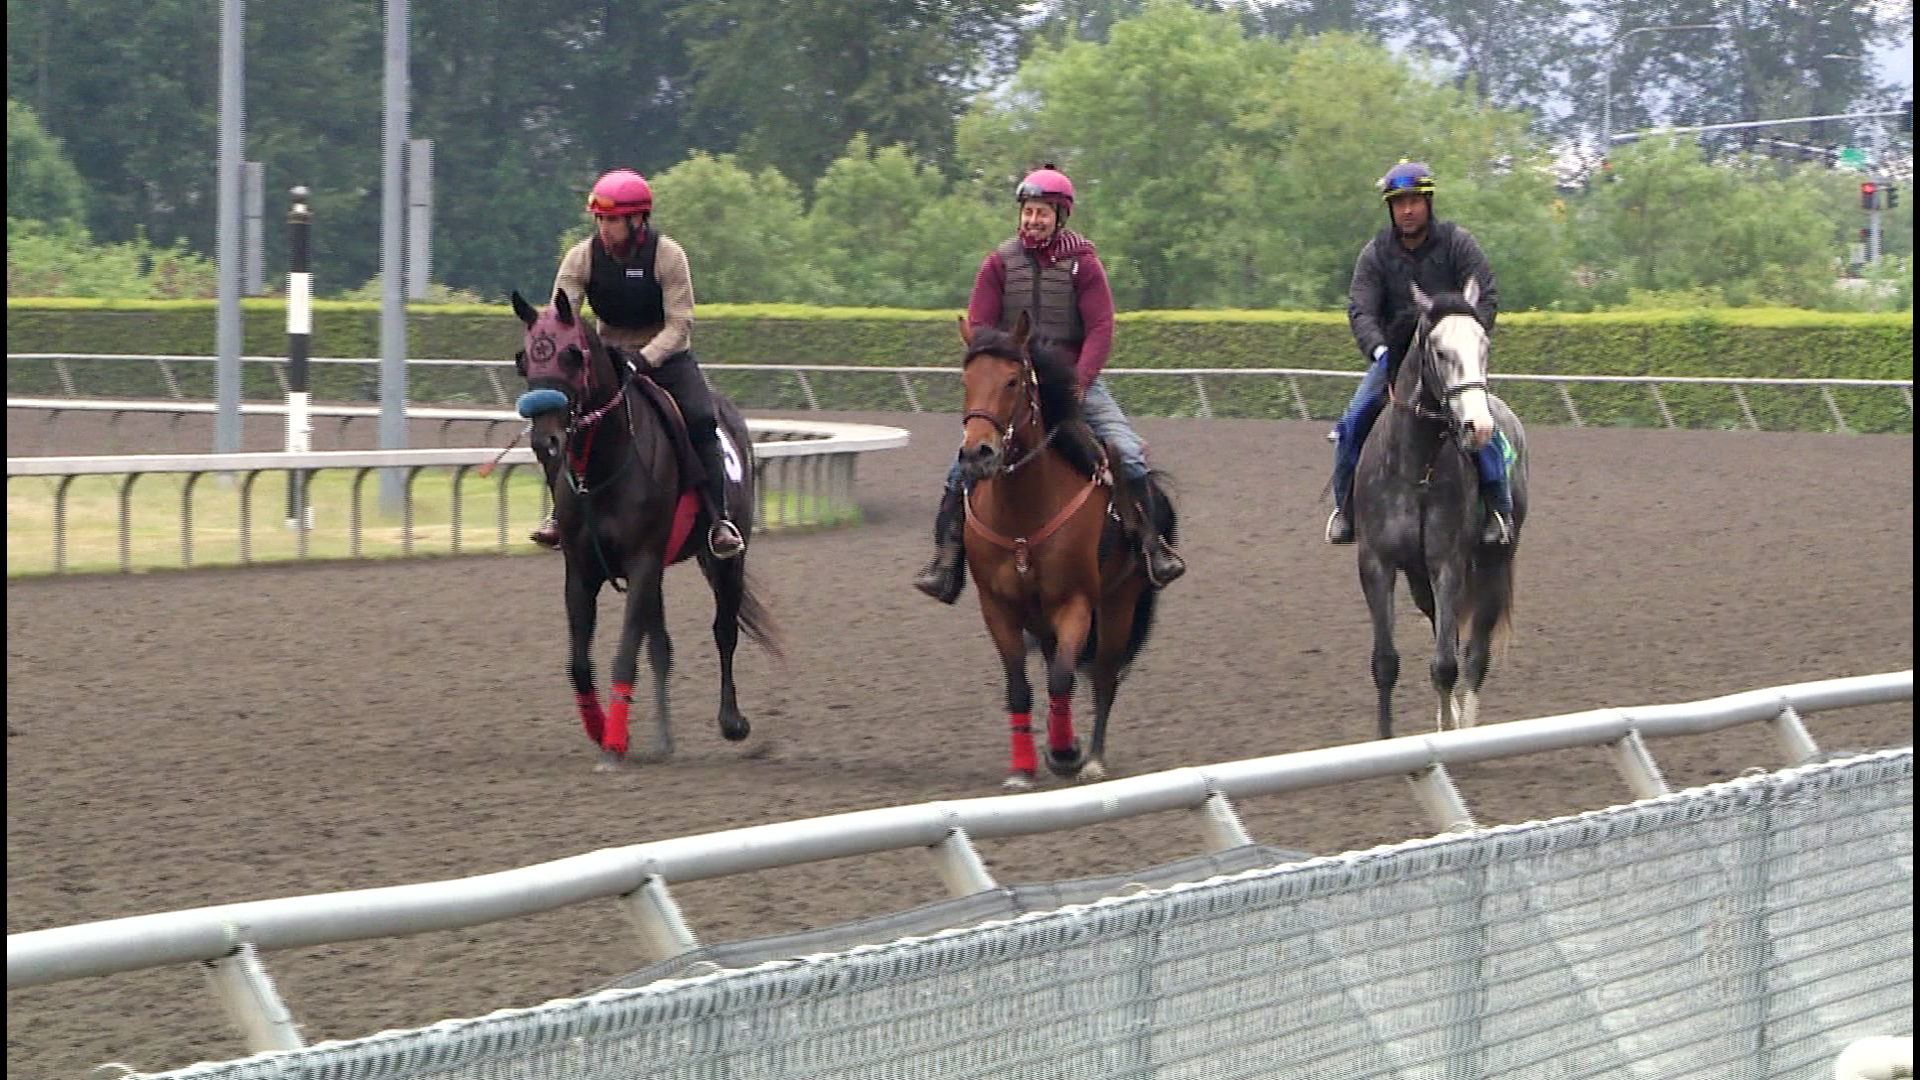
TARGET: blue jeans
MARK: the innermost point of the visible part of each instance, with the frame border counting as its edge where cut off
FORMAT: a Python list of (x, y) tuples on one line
[(1109, 425), (1368, 399)]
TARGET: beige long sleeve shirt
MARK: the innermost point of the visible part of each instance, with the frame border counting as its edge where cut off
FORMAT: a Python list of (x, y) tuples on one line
[(653, 343)]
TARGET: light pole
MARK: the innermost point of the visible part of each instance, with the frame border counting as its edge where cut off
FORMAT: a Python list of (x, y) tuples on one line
[(1613, 50)]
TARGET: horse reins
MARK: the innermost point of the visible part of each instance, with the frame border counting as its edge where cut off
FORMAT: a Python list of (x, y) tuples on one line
[(577, 462)]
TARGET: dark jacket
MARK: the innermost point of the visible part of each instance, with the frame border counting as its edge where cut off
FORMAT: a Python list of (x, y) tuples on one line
[(1385, 272)]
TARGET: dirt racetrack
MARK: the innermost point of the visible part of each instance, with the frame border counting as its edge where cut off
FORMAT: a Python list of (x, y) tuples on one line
[(184, 739)]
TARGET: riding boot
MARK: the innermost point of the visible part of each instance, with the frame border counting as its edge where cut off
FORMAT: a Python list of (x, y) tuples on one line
[(1164, 564), (1496, 493), (1339, 529), (723, 538), (943, 576)]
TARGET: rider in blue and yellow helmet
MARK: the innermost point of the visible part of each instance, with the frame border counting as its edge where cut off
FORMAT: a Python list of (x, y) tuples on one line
[(1440, 257)]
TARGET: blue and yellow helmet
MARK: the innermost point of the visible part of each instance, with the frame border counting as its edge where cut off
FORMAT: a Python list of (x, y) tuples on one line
[(1407, 178)]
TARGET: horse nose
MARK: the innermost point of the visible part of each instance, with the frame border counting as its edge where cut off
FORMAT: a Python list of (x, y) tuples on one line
[(549, 445)]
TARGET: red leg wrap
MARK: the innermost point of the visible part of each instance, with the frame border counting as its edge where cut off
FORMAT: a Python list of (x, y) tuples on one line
[(1060, 723), (617, 710), (591, 717), (1022, 728)]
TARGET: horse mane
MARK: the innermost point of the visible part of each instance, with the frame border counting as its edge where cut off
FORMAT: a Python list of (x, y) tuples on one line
[(1059, 383)]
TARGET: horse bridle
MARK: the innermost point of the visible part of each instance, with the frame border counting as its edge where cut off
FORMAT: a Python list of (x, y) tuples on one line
[(1423, 351), (1030, 399)]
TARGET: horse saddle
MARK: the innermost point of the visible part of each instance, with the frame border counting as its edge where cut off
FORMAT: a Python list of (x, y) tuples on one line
[(692, 474)]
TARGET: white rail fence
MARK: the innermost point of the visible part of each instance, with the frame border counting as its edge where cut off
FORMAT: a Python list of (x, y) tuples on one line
[(804, 470), (228, 939), (1295, 400), (1758, 928)]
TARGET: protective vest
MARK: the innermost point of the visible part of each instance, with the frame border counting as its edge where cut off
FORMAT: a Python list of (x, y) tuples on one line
[(1047, 295), (627, 294)]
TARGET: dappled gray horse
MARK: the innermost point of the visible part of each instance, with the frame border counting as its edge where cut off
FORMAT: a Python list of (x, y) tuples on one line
[(1416, 502)]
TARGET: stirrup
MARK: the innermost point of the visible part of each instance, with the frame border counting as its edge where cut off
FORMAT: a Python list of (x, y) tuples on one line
[(547, 535), (1339, 529), (941, 578), (725, 541), (1498, 530), (1172, 564)]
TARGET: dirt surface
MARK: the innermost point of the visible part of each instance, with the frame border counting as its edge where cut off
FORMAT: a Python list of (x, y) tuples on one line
[(185, 739)]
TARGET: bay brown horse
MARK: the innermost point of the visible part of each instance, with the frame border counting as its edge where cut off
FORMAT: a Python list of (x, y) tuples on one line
[(627, 509), (1043, 543)]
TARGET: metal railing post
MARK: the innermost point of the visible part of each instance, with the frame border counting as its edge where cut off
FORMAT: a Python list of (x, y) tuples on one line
[(246, 991)]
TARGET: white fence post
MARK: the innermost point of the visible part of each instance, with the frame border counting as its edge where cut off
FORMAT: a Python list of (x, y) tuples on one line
[(246, 991), (960, 867), (663, 930)]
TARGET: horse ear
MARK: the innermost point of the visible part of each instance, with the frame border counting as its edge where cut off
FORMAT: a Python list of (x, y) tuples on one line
[(1421, 299), (966, 332), (563, 307), (520, 362), (524, 309), (1472, 293), (1022, 327)]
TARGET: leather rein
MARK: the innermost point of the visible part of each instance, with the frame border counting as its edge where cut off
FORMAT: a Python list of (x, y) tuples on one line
[(1022, 546)]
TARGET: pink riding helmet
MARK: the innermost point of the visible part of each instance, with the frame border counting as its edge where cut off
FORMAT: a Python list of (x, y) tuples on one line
[(619, 193), (1049, 185)]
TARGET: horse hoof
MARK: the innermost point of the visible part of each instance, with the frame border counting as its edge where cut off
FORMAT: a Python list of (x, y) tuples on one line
[(1092, 771), (1018, 781), (1066, 763), (736, 729), (610, 762)]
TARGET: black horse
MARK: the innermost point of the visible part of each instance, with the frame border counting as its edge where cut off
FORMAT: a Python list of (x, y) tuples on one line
[(626, 501), (1416, 502)]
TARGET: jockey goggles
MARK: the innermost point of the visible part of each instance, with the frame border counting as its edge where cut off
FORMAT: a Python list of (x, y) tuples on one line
[(1035, 191), (603, 204), (1406, 185)]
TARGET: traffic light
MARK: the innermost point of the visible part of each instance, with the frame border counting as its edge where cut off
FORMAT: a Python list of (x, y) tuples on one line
[(1893, 196), (1867, 201)]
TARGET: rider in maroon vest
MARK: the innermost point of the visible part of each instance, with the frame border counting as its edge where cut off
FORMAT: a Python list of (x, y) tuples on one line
[(1053, 275), (637, 280)]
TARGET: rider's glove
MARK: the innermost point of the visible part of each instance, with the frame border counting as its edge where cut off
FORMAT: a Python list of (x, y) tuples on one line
[(1379, 354)]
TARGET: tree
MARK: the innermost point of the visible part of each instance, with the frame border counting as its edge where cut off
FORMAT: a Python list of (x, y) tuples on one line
[(1676, 222), (1216, 169), (793, 80), (744, 232), (888, 234), (42, 185)]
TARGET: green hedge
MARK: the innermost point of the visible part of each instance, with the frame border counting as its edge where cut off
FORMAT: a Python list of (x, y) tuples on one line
[(1734, 342)]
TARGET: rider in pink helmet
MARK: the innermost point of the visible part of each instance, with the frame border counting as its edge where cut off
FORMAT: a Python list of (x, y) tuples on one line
[(1051, 186), (620, 193), (637, 281), (1053, 275)]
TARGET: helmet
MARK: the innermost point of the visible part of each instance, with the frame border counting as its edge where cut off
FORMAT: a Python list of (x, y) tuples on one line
[(1407, 178), (1050, 185), (619, 193)]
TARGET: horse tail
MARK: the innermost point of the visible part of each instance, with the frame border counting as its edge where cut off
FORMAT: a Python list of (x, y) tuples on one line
[(1509, 589), (757, 619), (1493, 589)]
